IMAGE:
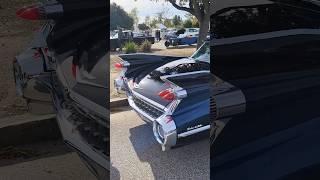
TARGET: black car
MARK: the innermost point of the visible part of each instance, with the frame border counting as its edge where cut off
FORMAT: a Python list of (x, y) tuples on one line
[(268, 52), (170, 92)]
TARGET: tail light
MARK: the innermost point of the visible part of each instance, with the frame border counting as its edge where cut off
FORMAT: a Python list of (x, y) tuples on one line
[(118, 65), (167, 94), (37, 54), (31, 12), (74, 70), (46, 10)]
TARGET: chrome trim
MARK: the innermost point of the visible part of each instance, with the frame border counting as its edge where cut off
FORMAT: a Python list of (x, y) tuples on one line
[(149, 100), (194, 131), (182, 74), (103, 112), (72, 136), (138, 110), (170, 133)]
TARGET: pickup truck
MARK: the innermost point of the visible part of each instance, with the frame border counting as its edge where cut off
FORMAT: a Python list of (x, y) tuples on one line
[(126, 37)]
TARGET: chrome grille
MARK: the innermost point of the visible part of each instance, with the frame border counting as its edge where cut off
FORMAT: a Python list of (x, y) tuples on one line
[(92, 129), (147, 108)]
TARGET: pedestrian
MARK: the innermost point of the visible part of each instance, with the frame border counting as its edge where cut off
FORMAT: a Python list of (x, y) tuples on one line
[(120, 38)]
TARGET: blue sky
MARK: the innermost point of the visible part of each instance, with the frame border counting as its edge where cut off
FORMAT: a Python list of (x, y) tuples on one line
[(149, 8)]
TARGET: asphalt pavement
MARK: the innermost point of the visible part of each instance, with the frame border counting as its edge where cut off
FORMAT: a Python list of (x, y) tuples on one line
[(135, 154), (51, 160)]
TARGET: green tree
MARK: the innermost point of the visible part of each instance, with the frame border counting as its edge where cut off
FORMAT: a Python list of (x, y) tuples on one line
[(187, 23), (120, 18), (134, 14), (201, 9), (168, 23), (177, 20), (153, 23), (143, 27), (193, 19), (147, 20)]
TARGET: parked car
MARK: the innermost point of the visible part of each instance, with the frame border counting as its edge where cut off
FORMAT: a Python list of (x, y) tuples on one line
[(64, 68), (128, 36), (169, 92), (266, 82), (188, 37)]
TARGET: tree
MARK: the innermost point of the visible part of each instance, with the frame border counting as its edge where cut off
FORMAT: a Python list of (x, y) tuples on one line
[(153, 23), (143, 27), (187, 23), (194, 20), (177, 20), (160, 17), (167, 23), (120, 18), (201, 9), (134, 14), (147, 20)]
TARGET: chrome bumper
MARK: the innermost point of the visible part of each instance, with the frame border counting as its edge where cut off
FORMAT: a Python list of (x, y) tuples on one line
[(73, 138), (169, 137)]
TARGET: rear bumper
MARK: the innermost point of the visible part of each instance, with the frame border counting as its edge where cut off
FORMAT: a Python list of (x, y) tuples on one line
[(69, 123)]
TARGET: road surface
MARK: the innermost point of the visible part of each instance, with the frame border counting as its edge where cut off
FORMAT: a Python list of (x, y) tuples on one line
[(135, 154)]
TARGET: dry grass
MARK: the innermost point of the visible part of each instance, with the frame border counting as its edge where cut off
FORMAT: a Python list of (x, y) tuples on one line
[(15, 33)]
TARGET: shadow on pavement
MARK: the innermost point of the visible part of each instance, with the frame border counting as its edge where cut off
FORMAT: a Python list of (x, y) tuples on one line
[(18, 154), (186, 162)]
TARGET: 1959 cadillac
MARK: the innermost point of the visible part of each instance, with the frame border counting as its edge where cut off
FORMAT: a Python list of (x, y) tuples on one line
[(63, 71), (267, 52), (170, 92)]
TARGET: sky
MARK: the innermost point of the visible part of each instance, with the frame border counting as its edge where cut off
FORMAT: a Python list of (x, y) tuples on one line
[(149, 8)]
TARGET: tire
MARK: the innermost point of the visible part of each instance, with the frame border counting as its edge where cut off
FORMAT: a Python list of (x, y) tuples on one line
[(167, 44)]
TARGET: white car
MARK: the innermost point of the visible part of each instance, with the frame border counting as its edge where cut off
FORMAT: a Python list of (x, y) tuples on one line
[(191, 32)]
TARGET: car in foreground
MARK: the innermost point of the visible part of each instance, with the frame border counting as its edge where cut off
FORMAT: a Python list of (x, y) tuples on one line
[(170, 92), (268, 53), (63, 71)]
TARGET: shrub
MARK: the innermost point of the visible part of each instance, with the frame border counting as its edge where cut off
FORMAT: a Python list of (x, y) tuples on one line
[(130, 47), (145, 46)]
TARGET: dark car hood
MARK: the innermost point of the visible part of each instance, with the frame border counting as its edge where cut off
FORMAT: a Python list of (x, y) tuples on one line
[(150, 87)]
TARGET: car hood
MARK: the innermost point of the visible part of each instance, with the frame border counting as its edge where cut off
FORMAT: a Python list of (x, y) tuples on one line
[(150, 86)]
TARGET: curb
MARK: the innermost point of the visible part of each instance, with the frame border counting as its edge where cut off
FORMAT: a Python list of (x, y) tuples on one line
[(35, 129), (118, 102)]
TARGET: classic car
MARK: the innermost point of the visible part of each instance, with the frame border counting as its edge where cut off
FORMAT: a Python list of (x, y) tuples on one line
[(63, 71), (169, 92), (188, 37), (266, 63)]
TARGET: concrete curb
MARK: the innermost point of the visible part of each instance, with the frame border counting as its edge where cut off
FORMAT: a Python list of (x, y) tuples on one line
[(34, 129), (118, 102), (29, 128)]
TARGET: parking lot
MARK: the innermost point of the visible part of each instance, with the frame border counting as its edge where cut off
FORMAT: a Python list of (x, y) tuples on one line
[(136, 154)]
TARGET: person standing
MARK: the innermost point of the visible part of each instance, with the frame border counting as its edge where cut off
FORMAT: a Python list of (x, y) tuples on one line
[(120, 34)]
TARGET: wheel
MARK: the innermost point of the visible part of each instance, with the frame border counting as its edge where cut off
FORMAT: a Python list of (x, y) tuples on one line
[(167, 44)]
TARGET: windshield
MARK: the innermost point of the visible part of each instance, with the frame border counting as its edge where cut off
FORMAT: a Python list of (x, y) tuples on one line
[(203, 53)]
